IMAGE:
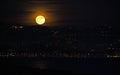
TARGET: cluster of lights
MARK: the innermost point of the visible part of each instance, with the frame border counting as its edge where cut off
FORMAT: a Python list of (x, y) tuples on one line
[(17, 27), (58, 54)]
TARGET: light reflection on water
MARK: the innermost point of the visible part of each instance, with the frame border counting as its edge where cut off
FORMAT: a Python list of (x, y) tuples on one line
[(39, 65), (93, 66)]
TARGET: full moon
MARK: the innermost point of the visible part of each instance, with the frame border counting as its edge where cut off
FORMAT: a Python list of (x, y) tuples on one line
[(40, 20)]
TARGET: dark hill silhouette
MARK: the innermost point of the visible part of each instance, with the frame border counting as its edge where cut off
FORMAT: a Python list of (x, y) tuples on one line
[(25, 36), (66, 38)]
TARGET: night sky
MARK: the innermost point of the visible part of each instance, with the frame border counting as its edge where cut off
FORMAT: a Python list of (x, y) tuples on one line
[(74, 29), (59, 12)]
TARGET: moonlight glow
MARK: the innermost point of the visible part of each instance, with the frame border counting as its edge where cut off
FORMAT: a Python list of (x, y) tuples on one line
[(40, 20)]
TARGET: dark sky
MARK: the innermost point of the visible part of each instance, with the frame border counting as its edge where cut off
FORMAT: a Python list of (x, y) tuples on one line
[(59, 12)]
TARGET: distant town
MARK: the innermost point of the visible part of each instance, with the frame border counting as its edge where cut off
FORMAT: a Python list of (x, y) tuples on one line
[(100, 41)]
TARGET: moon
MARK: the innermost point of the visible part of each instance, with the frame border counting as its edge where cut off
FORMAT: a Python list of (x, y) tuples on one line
[(40, 19)]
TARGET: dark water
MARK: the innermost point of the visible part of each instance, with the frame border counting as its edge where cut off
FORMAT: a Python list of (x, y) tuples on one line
[(95, 66)]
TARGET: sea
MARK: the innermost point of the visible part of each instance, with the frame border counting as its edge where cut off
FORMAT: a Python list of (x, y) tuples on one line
[(92, 66)]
